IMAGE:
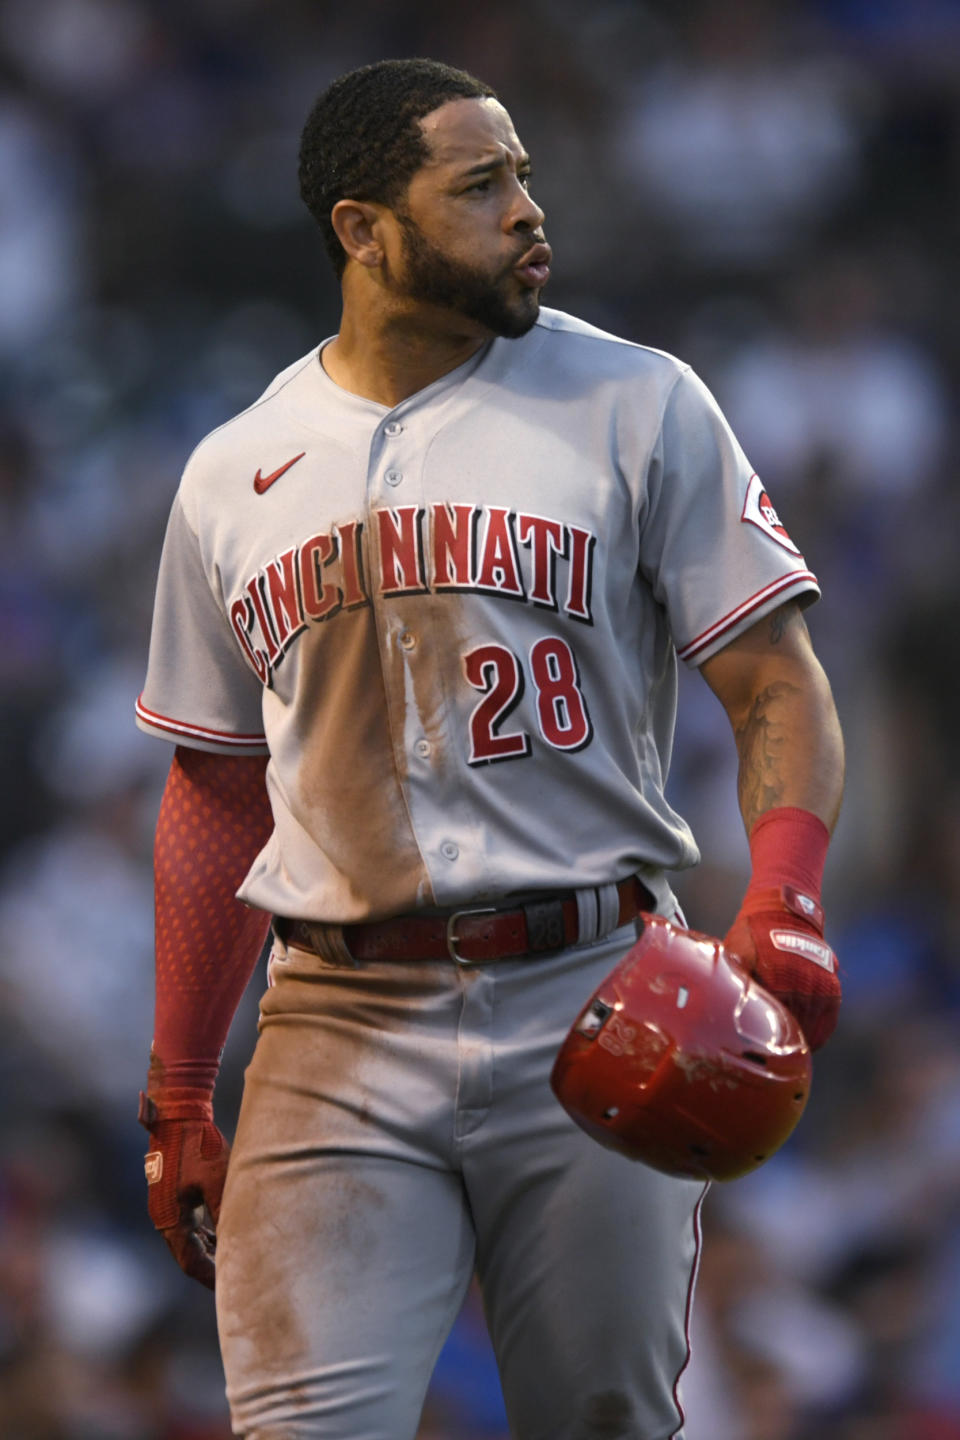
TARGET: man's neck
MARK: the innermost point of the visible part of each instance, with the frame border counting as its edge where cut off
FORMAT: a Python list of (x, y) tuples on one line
[(388, 357)]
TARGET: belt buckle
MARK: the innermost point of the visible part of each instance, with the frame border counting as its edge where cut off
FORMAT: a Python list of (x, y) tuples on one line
[(451, 937)]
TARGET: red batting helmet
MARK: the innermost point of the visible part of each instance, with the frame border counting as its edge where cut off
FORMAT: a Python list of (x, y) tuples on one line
[(683, 1061)]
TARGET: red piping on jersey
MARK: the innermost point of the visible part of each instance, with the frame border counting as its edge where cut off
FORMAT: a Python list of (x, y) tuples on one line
[(698, 1247), (786, 582), (200, 732)]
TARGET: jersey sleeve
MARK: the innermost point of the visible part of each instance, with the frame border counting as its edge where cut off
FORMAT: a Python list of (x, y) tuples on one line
[(712, 546), (199, 690)]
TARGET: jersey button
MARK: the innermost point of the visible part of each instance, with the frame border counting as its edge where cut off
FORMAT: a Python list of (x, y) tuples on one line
[(449, 850), (393, 477), (393, 428), (406, 640), (422, 748)]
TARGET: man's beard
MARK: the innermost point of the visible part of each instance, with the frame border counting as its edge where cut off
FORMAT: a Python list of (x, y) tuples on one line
[(433, 277)]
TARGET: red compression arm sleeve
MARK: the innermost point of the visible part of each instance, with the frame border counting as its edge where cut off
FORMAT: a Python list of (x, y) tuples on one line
[(214, 818)]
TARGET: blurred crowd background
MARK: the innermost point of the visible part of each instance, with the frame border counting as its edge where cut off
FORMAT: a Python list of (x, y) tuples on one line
[(768, 188)]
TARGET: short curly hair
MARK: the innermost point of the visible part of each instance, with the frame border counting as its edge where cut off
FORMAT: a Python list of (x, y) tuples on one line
[(363, 140)]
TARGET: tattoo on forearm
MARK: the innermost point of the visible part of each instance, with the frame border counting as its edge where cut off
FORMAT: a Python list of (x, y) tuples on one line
[(761, 745)]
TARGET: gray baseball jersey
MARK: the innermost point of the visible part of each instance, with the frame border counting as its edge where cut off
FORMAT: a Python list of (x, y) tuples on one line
[(454, 624)]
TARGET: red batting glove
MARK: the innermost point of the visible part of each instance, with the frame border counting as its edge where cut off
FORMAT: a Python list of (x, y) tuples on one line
[(185, 1166), (778, 935)]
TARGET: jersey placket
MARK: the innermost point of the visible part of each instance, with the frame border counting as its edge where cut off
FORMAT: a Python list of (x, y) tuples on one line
[(419, 655)]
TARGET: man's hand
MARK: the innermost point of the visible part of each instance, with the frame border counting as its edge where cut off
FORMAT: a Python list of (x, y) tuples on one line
[(185, 1167), (778, 935)]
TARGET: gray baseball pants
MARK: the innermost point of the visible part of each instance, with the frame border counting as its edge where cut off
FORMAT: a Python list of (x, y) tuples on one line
[(398, 1132)]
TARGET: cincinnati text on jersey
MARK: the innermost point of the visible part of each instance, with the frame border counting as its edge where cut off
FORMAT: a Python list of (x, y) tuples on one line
[(413, 550)]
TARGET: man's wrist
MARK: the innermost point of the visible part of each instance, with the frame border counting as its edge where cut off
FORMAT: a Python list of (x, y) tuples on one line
[(185, 1078), (788, 849), (174, 1105), (178, 1090), (801, 907)]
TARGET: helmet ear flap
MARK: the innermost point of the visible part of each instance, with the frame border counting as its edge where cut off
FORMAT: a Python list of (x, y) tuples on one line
[(682, 1061)]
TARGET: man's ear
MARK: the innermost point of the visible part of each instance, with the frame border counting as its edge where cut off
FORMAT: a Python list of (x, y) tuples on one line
[(357, 226)]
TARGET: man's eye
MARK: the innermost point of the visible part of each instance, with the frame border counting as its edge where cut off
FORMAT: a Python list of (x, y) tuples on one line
[(525, 179), (480, 185)]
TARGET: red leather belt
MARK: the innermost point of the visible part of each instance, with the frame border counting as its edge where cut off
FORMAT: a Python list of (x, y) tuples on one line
[(471, 935)]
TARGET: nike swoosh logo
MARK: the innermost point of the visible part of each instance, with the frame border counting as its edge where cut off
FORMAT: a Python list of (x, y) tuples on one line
[(263, 482)]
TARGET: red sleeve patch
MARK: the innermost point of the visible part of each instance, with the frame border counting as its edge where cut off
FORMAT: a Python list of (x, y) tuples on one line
[(758, 510)]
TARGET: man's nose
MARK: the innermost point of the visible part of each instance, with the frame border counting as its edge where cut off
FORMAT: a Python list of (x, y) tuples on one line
[(526, 213)]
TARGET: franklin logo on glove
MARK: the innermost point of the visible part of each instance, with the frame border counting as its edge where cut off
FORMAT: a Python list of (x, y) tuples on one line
[(819, 952)]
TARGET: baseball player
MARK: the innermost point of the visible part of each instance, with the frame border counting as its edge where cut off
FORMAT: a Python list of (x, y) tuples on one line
[(415, 641)]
